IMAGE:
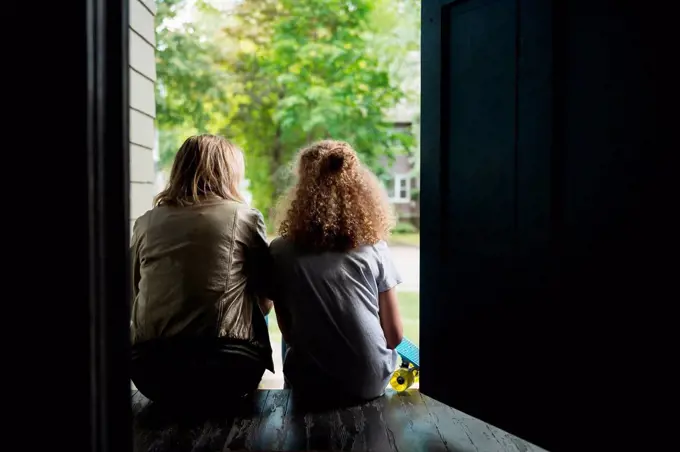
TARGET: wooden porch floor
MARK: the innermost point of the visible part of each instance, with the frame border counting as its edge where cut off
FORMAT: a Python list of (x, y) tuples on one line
[(407, 422)]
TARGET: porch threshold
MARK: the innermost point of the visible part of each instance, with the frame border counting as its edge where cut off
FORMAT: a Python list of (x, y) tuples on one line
[(408, 421)]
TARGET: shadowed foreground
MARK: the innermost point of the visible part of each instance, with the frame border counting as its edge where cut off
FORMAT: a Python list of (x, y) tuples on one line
[(272, 420)]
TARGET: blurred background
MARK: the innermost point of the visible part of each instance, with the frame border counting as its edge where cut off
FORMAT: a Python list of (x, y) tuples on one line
[(273, 76)]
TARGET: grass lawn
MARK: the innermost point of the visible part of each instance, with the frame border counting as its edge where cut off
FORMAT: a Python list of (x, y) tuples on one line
[(409, 304), (409, 307), (404, 240)]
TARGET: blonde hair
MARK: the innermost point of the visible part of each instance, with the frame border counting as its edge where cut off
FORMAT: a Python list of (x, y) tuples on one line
[(205, 166), (337, 204)]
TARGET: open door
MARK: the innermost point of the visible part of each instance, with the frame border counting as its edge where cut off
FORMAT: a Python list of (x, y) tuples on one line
[(538, 129)]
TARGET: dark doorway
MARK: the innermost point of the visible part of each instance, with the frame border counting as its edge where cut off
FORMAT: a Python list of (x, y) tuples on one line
[(539, 129)]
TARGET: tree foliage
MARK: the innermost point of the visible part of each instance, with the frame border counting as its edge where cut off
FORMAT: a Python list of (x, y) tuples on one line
[(275, 75), (190, 88)]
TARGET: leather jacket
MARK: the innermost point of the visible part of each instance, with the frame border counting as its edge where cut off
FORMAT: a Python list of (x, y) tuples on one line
[(200, 271)]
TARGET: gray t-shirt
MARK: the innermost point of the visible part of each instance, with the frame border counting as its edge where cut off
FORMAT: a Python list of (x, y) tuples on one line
[(331, 300)]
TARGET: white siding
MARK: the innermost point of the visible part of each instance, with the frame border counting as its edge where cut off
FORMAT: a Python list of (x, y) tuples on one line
[(142, 95), (142, 107)]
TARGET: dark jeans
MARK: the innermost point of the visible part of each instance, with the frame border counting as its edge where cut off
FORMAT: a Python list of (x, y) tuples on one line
[(193, 372)]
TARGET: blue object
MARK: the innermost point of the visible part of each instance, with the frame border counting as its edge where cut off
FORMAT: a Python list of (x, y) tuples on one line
[(284, 349), (409, 352)]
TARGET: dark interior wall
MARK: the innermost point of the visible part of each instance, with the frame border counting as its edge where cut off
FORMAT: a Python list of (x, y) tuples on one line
[(66, 182), (545, 208)]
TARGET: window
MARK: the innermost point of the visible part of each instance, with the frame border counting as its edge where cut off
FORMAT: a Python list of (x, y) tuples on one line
[(403, 188), (399, 188)]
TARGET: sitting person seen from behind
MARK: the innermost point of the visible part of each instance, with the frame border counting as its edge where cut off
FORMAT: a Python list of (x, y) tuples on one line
[(200, 258), (334, 286)]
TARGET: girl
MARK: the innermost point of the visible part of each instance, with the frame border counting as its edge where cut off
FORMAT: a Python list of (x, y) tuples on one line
[(200, 258), (334, 290)]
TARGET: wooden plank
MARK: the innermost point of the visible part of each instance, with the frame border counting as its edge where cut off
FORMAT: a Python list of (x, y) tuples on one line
[(211, 436), (245, 427), (409, 423), (373, 432), (358, 428), (157, 429), (138, 402), (161, 436), (270, 434), (297, 432), (464, 433), (344, 429), (318, 431)]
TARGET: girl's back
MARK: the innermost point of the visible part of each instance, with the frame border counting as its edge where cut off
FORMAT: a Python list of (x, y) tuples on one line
[(333, 298), (334, 280)]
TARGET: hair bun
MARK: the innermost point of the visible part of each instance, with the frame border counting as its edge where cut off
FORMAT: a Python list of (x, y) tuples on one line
[(334, 161)]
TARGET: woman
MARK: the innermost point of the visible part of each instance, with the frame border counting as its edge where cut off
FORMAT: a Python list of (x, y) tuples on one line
[(200, 258), (334, 291)]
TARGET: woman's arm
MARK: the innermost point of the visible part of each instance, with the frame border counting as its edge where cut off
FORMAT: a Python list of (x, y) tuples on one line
[(136, 264), (260, 265), (136, 272), (258, 258), (390, 319)]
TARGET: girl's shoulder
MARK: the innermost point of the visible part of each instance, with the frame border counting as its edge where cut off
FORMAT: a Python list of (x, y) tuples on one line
[(281, 245), (379, 248)]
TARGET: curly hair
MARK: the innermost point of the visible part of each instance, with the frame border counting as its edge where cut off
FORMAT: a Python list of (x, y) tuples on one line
[(336, 204)]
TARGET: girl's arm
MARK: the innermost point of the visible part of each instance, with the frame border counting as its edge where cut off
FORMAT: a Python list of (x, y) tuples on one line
[(283, 319), (388, 305), (390, 319)]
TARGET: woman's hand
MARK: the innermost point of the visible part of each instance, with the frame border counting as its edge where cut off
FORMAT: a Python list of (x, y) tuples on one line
[(265, 305)]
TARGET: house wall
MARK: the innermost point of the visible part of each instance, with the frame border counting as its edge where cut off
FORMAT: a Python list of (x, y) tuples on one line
[(401, 165), (142, 106), (407, 211)]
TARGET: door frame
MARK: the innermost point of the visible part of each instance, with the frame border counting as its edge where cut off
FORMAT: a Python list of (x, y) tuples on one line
[(107, 58)]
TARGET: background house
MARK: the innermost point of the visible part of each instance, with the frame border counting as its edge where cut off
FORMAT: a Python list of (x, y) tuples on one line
[(403, 183)]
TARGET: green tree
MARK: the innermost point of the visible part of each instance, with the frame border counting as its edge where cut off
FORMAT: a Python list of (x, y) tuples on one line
[(274, 75), (396, 39), (307, 71), (191, 86)]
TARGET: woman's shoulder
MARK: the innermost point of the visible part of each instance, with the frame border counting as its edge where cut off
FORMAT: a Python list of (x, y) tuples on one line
[(141, 223), (240, 210), (249, 218)]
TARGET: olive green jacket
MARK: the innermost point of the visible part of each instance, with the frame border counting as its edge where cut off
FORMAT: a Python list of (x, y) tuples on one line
[(200, 271)]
